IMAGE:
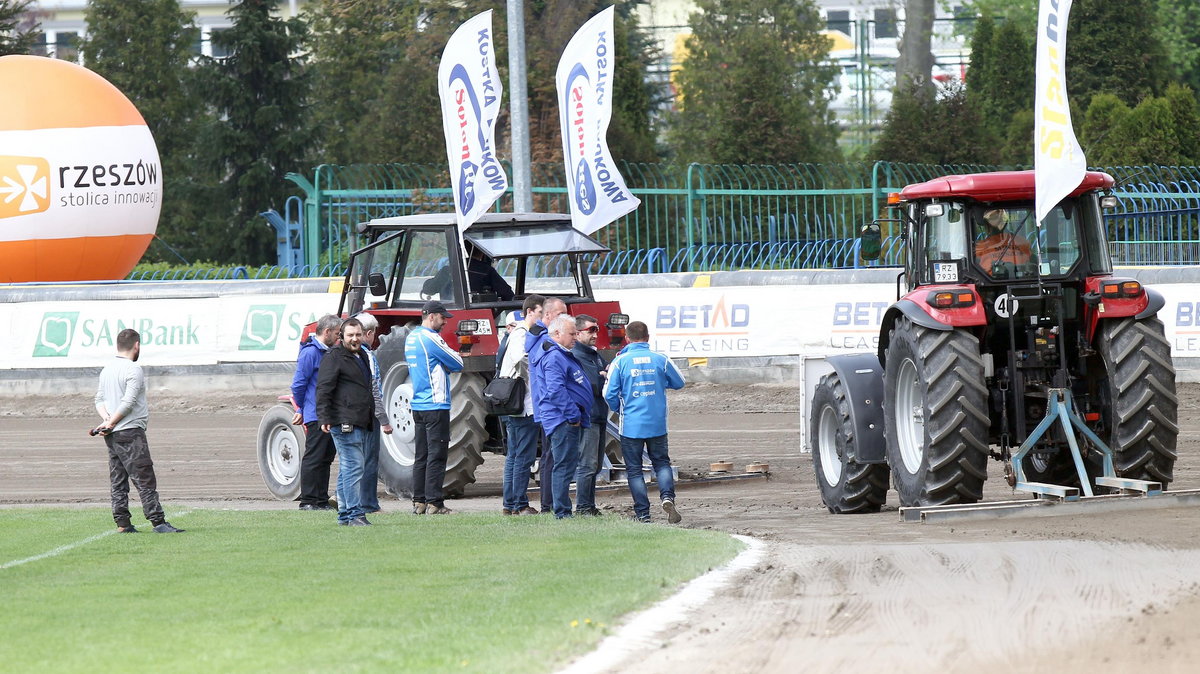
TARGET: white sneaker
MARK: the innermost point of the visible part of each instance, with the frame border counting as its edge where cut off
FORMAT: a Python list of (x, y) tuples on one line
[(673, 515)]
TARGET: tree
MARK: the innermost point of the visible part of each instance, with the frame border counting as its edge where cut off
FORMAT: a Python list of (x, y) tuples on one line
[(1114, 48), (357, 44), (260, 92), (941, 130), (1180, 34), (144, 47), (18, 30), (754, 85), (915, 63)]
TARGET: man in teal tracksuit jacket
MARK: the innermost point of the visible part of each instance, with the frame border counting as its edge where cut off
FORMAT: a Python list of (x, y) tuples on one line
[(638, 380), (430, 362)]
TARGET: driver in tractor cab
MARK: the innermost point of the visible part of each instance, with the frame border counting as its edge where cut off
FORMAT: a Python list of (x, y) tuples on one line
[(482, 279), (994, 245)]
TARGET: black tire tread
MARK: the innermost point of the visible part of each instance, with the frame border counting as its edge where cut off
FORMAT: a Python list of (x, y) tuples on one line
[(864, 486), (1143, 422), (956, 420)]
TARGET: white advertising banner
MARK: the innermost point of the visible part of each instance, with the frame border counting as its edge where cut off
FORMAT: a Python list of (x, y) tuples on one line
[(585, 85), (759, 320), (470, 91), (174, 332), (1058, 161)]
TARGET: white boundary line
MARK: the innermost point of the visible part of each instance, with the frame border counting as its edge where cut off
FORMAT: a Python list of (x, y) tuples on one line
[(68, 547), (643, 630)]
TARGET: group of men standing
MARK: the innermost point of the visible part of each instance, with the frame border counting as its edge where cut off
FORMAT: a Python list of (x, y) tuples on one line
[(570, 390)]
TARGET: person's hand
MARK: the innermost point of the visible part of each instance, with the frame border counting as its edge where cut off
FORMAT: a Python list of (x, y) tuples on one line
[(297, 419), (325, 428), (386, 428)]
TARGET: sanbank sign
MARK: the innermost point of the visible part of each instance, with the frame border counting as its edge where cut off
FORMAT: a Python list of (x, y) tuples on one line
[(61, 331)]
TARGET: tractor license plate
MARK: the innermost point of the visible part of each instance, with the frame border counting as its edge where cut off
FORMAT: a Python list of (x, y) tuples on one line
[(945, 272)]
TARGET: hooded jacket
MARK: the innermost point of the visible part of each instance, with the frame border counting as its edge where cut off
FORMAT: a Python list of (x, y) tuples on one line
[(566, 391), (637, 382), (304, 382)]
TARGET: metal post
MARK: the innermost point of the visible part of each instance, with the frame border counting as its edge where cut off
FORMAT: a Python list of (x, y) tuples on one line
[(519, 108)]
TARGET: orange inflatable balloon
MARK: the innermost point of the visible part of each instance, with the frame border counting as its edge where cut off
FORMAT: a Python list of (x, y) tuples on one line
[(80, 177)]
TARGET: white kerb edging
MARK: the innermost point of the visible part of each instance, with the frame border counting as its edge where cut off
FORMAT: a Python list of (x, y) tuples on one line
[(643, 630)]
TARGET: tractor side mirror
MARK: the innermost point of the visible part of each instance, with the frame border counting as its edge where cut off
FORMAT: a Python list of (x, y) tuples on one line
[(377, 284), (871, 241)]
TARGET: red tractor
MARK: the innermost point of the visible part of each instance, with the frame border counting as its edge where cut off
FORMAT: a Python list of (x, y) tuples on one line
[(1011, 338), (411, 259)]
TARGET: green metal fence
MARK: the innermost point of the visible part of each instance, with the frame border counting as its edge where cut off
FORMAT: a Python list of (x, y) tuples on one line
[(716, 217)]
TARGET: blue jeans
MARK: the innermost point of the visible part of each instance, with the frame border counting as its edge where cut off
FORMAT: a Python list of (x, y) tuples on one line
[(631, 449), (370, 476), (564, 444), (522, 449), (590, 445), (350, 448)]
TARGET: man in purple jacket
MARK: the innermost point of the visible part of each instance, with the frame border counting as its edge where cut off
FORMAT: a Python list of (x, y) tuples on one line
[(565, 406), (318, 447)]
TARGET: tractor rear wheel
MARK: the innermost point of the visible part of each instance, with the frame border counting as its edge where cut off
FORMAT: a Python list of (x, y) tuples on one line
[(397, 451), (280, 448), (1139, 406), (846, 486), (935, 415)]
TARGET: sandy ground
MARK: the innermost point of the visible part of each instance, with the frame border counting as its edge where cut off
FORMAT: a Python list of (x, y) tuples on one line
[(1103, 589)]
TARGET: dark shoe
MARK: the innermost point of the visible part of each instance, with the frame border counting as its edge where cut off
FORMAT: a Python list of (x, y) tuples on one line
[(419, 508), (310, 506), (358, 522), (588, 512), (372, 511), (166, 528), (673, 515), (127, 530), (644, 520), (438, 510), (527, 510), (324, 506), (506, 511)]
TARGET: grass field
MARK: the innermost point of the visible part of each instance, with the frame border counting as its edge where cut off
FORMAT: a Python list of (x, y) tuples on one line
[(291, 591)]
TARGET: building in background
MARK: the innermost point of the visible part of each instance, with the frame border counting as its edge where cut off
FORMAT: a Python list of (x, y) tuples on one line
[(62, 23)]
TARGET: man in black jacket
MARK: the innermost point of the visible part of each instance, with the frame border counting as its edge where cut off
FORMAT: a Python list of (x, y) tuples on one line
[(592, 438), (346, 410)]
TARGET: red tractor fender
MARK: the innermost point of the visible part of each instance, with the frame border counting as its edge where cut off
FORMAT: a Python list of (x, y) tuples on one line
[(1141, 305), (916, 306)]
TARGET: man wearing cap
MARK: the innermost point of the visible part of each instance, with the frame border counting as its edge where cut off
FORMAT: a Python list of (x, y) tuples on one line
[(522, 429), (430, 362)]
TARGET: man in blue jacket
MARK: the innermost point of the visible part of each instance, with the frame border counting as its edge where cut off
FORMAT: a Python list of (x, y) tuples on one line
[(318, 447), (638, 379), (566, 407), (535, 338), (430, 362), (591, 439)]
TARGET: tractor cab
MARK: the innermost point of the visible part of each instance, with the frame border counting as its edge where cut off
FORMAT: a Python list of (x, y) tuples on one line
[(412, 259)]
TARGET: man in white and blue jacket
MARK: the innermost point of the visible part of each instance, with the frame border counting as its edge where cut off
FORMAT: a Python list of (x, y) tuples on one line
[(430, 362), (638, 380), (565, 407)]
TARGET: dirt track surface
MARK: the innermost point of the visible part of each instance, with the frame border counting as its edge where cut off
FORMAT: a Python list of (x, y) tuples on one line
[(1117, 590)]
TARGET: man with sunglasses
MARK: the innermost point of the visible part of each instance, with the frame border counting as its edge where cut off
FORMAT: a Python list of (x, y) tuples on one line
[(591, 439)]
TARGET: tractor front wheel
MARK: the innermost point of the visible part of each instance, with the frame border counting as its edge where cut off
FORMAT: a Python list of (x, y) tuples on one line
[(846, 486), (935, 415)]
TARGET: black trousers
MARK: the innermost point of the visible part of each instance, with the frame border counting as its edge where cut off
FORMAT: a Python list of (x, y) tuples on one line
[(314, 466), (129, 460), (433, 444), (545, 473)]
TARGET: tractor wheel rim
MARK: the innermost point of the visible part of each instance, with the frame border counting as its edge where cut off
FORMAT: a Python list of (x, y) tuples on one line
[(831, 463), (399, 444), (283, 454), (910, 416)]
